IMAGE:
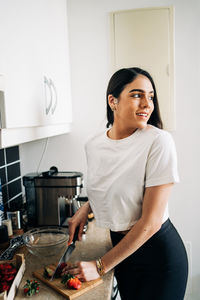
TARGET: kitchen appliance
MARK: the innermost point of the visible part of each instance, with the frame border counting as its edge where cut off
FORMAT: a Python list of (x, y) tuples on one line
[(52, 196)]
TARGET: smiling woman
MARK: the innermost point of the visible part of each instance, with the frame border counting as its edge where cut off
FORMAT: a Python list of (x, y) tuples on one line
[(132, 167), (133, 107), (137, 84)]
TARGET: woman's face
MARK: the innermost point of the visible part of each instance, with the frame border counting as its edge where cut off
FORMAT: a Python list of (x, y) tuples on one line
[(135, 104)]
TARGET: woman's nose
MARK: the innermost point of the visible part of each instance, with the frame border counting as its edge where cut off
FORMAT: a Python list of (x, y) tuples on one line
[(145, 101)]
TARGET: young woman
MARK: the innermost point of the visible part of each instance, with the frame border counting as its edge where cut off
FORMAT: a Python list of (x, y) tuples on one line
[(131, 170)]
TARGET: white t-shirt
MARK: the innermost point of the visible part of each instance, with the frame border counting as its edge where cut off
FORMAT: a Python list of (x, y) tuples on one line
[(119, 171)]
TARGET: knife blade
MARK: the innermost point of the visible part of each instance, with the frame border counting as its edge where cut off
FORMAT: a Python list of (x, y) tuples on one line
[(67, 253)]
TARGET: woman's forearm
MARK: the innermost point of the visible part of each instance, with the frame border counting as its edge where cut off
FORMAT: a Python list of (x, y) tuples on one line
[(86, 207), (89, 207), (133, 240)]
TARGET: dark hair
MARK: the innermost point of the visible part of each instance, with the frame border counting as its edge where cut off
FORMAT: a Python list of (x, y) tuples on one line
[(117, 83)]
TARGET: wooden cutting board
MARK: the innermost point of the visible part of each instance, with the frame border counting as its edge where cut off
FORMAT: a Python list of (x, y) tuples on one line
[(60, 288)]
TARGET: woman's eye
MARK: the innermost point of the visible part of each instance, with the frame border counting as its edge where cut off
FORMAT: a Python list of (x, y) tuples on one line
[(136, 95), (141, 96)]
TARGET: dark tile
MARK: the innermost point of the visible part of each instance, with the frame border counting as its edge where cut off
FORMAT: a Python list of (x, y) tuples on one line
[(3, 175), (14, 188), (16, 204), (2, 158), (12, 154), (5, 195), (13, 171)]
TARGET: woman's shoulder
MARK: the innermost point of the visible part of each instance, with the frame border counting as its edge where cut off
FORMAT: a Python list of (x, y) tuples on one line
[(156, 132), (159, 137), (95, 138)]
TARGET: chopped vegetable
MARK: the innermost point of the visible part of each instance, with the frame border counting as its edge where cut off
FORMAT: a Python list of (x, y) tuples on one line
[(31, 287), (48, 272), (71, 282), (66, 277), (61, 267), (74, 283)]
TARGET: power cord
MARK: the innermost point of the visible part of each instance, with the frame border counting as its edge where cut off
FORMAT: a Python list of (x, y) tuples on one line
[(44, 151)]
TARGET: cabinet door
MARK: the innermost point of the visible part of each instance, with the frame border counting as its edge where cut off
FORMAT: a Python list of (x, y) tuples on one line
[(57, 65), (34, 47), (144, 38)]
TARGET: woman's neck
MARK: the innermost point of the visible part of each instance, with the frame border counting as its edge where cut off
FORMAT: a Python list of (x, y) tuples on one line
[(118, 133)]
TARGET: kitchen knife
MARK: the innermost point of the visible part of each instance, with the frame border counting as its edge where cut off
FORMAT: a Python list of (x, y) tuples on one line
[(65, 257)]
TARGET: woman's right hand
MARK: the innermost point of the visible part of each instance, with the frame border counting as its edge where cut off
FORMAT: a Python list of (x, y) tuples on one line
[(79, 219)]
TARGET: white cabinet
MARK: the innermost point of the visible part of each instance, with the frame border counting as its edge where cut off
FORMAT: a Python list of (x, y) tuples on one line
[(34, 65), (144, 38)]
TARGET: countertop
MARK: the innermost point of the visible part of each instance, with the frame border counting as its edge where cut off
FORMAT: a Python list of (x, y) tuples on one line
[(95, 243)]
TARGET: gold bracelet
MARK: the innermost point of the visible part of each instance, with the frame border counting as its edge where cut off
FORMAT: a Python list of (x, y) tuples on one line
[(100, 267)]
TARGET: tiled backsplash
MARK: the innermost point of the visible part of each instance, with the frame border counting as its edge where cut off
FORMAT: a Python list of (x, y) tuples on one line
[(10, 175)]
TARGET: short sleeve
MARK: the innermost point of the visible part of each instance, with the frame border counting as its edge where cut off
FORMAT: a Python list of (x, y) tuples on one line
[(161, 167)]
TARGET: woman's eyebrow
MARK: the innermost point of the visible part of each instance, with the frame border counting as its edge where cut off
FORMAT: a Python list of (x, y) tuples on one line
[(139, 90)]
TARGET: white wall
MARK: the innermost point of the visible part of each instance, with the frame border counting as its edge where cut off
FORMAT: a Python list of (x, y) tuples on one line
[(90, 63)]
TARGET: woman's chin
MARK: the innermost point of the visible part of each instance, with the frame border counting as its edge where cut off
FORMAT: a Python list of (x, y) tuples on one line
[(142, 125)]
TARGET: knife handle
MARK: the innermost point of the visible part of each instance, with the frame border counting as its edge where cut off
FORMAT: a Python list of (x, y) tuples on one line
[(75, 238)]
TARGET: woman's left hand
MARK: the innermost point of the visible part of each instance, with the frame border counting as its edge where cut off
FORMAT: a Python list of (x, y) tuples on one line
[(84, 270)]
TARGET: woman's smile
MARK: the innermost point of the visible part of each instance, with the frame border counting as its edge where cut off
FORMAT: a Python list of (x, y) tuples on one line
[(142, 115)]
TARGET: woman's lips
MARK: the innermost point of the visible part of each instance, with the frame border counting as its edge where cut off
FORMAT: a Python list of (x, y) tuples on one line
[(142, 115)]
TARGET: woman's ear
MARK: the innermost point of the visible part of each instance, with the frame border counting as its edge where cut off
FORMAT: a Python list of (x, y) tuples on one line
[(112, 101)]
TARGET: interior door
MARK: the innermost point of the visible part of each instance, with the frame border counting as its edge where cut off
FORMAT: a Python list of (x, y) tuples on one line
[(144, 38)]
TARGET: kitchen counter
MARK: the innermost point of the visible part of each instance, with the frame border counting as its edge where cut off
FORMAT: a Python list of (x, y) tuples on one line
[(94, 244)]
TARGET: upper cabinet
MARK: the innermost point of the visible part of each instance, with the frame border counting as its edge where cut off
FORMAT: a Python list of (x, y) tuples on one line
[(35, 89), (145, 38)]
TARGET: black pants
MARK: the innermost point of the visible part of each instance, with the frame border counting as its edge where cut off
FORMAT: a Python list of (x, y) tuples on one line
[(158, 270)]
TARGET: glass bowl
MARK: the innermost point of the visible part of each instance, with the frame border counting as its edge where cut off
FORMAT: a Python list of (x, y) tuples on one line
[(47, 243)]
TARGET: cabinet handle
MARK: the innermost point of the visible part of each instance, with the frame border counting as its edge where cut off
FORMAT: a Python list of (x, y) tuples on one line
[(47, 84), (55, 96)]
